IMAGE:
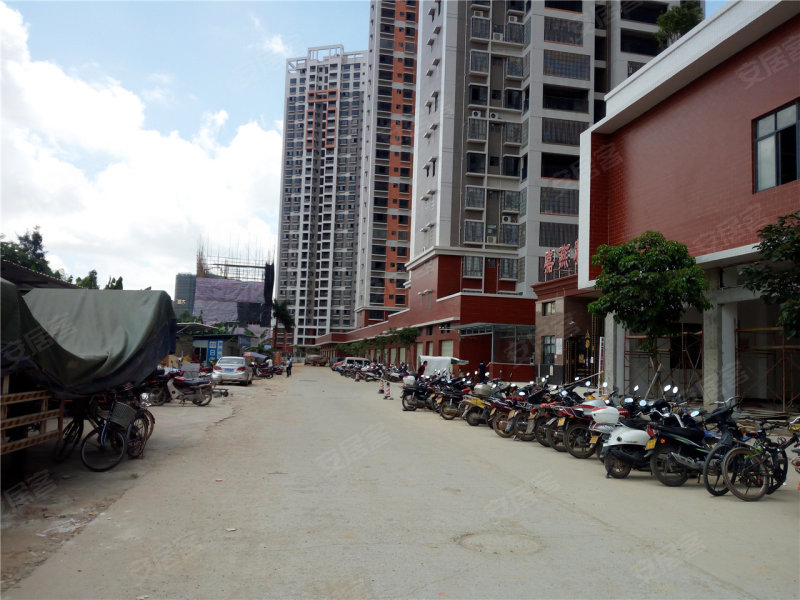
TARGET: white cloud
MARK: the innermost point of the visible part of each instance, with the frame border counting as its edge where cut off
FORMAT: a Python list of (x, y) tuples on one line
[(272, 44), (112, 196)]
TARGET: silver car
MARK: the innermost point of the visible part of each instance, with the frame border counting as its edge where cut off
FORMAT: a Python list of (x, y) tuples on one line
[(232, 368)]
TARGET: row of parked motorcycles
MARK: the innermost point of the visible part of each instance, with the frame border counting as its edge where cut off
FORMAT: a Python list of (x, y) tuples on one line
[(663, 436)]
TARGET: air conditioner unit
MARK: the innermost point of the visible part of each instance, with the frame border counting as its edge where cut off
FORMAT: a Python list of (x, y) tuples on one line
[(493, 116), (478, 13), (513, 19), (507, 219), (497, 37), (476, 113), (491, 239)]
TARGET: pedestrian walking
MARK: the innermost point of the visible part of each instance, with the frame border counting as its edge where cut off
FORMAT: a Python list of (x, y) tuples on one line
[(289, 367)]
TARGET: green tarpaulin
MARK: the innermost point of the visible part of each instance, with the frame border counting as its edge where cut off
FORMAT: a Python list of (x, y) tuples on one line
[(85, 341)]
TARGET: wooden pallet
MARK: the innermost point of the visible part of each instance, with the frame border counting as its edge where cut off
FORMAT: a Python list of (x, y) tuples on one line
[(37, 412)]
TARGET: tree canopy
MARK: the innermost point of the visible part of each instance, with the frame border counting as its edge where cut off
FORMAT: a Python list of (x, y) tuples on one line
[(647, 285), (676, 22), (777, 276), (28, 251)]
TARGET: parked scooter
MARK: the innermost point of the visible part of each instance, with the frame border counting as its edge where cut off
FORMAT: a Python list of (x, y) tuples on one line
[(197, 391)]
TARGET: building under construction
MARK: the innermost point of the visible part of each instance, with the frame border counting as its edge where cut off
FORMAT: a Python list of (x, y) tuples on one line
[(228, 289)]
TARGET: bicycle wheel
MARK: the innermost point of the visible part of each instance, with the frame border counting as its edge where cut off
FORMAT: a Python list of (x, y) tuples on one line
[(778, 464), (99, 454), (745, 474), (70, 437), (137, 435), (151, 421), (712, 470)]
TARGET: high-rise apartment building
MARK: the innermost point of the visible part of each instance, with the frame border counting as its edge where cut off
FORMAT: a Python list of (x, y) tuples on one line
[(322, 146), (387, 165), (505, 90)]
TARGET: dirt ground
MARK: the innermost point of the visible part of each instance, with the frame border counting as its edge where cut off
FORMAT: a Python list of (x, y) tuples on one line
[(45, 504)]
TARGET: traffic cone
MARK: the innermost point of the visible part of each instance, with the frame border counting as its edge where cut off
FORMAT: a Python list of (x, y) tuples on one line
[(387, 395), (380, 388)]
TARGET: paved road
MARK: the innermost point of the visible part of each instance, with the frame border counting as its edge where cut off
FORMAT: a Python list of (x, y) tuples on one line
[(316, 487)]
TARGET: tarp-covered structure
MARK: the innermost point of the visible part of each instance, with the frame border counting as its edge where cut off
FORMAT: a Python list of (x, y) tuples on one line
[(79, 342), (229, 300)]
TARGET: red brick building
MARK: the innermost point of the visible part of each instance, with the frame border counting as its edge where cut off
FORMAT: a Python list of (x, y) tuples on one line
[(702, 145)]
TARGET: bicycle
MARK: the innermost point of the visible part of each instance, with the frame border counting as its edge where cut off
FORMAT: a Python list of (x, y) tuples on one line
[(751, 472), (81, 410), (104, 447)]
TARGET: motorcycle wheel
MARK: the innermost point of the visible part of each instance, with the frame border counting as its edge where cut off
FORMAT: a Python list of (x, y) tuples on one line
[(205, 397), (500, 425), (664, 467), (521, 430), (712, 470), (268, 375), (408, 404), (473, 417), (555, 438), (540, 431), (448, 411), (577, 439), (157, 396), (616, 468)]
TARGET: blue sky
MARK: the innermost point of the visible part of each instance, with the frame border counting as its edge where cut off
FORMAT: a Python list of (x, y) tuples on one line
[(132, 132)]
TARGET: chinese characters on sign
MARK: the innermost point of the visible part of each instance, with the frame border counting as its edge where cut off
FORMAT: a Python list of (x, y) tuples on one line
[(560, 262)]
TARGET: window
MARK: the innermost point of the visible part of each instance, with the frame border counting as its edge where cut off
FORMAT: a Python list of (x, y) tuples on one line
[(548, 308), (563, 31), (777, 147), (472, 266), (476, 163), (548, 349), (566, 64)]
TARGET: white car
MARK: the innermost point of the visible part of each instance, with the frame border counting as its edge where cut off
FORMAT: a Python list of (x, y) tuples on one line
[(232, 368)]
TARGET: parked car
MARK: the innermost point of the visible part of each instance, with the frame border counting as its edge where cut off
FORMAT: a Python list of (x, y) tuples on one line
[(316, 360), (234, 369), (335, 362)]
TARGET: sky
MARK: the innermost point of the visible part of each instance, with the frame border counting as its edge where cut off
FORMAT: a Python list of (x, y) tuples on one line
[(133, 133)]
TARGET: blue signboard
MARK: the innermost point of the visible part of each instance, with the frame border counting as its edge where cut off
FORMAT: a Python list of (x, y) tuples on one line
[(214, 349)]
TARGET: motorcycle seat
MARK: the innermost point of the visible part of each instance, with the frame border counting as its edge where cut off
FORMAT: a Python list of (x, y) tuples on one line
[(192, 382)]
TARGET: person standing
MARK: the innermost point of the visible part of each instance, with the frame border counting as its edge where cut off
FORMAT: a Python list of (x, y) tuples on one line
[(421, 370), (289, 367), (482, 371)]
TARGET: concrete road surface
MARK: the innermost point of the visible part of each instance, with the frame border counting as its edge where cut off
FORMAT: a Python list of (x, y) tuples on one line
[(317, 487)]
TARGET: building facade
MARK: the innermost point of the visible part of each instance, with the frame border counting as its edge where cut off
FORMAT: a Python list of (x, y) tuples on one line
[(702, 145), (503, 91), (320, 187), (387, 162)]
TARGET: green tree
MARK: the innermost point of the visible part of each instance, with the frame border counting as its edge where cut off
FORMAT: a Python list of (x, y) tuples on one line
[(647, 284), (89, 282), (114, 283), (28, 252), (777, 276), (676, 22), (283, 316)]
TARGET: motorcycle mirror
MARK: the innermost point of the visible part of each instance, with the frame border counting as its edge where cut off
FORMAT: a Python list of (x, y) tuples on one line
[(636, 387), (588, 383), (563, 392), (576, 379), (628, 401), (607, 401)]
